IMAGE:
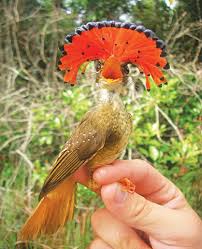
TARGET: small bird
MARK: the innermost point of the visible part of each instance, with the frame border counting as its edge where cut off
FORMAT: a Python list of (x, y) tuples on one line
[(103, 132)]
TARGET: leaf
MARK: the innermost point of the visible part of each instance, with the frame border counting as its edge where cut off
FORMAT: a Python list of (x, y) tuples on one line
[(153, 152)]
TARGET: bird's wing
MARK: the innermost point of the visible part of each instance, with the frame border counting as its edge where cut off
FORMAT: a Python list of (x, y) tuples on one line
[(83, 144)]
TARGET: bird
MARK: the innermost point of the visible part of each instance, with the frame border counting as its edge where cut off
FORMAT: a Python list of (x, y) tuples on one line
[(104, 131)]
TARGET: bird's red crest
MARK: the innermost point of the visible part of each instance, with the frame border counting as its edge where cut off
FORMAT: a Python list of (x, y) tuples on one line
[(124, 42)]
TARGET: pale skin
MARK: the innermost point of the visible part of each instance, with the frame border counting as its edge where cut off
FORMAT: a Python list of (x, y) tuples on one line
[(156, 216)]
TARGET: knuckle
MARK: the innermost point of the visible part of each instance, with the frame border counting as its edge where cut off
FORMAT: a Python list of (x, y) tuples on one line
[(138, 209), (144, 164), (98, 244), (125, 242)]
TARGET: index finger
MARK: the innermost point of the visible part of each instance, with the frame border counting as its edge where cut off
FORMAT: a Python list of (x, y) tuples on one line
[(149, 182)]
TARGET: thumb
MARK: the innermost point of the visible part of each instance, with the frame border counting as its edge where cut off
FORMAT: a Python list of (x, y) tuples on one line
[(137, 212)]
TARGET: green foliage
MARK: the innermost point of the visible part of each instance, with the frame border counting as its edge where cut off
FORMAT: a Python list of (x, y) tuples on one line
[(192, 7), (166, 131), (146, 12), (110, 10)]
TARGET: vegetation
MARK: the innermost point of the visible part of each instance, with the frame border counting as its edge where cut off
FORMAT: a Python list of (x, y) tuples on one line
[(38, 112)]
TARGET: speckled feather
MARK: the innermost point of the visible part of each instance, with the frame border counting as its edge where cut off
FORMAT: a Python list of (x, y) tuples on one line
[(99, 139)]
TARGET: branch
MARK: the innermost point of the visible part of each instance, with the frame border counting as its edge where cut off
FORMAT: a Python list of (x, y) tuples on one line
[(25, 158), (170, 122)]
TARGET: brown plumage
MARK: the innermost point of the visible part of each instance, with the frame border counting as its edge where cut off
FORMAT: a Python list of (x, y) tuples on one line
[(99, 139)]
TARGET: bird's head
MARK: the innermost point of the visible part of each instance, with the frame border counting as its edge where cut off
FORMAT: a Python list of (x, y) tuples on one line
[(114, 45), (111, 72)]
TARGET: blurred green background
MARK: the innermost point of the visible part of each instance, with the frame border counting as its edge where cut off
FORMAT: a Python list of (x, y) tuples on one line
[(38, 112)]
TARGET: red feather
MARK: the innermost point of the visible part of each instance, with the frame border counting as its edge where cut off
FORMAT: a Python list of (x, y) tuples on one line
[(114, 43)]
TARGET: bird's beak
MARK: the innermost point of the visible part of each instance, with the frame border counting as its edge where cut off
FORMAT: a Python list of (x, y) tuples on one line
[(113, 81), (111, 72)]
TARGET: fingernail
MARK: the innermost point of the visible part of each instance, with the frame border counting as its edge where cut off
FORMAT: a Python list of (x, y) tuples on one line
[(120, 195), (99, 174)]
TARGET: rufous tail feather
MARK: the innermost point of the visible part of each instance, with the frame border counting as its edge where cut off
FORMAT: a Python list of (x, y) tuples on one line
[(52, 212)]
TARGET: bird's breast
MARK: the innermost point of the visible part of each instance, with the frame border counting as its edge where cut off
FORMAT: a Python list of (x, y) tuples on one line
[(117, 136)]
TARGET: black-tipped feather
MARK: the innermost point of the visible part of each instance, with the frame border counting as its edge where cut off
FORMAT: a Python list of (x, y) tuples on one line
[(108, 23), (100, 25), (84, 27), (112, 23), (140, 28), (61, 48), (133, 26), (118, 24), (163, 53), (79, 31), (160, 44), (155, 38), (126, 25), (167, 66), (68, 38), (149, 33), (90, 25)]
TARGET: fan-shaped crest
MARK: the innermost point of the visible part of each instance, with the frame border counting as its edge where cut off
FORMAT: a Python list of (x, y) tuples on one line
[(127, 42)]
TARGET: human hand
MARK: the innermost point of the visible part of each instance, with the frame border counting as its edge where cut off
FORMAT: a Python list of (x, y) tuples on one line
[(156, 216)]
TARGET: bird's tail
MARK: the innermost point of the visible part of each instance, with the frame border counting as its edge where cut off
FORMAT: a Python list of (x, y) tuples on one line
[(52, 212)]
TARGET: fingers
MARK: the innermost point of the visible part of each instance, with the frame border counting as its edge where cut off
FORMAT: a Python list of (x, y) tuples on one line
[(137, 212), (99, 244), (115, 233), (149, 182)]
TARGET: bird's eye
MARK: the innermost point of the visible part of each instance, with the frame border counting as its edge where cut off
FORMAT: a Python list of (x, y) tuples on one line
[(125, 69), (98, 65), (139, 87)]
